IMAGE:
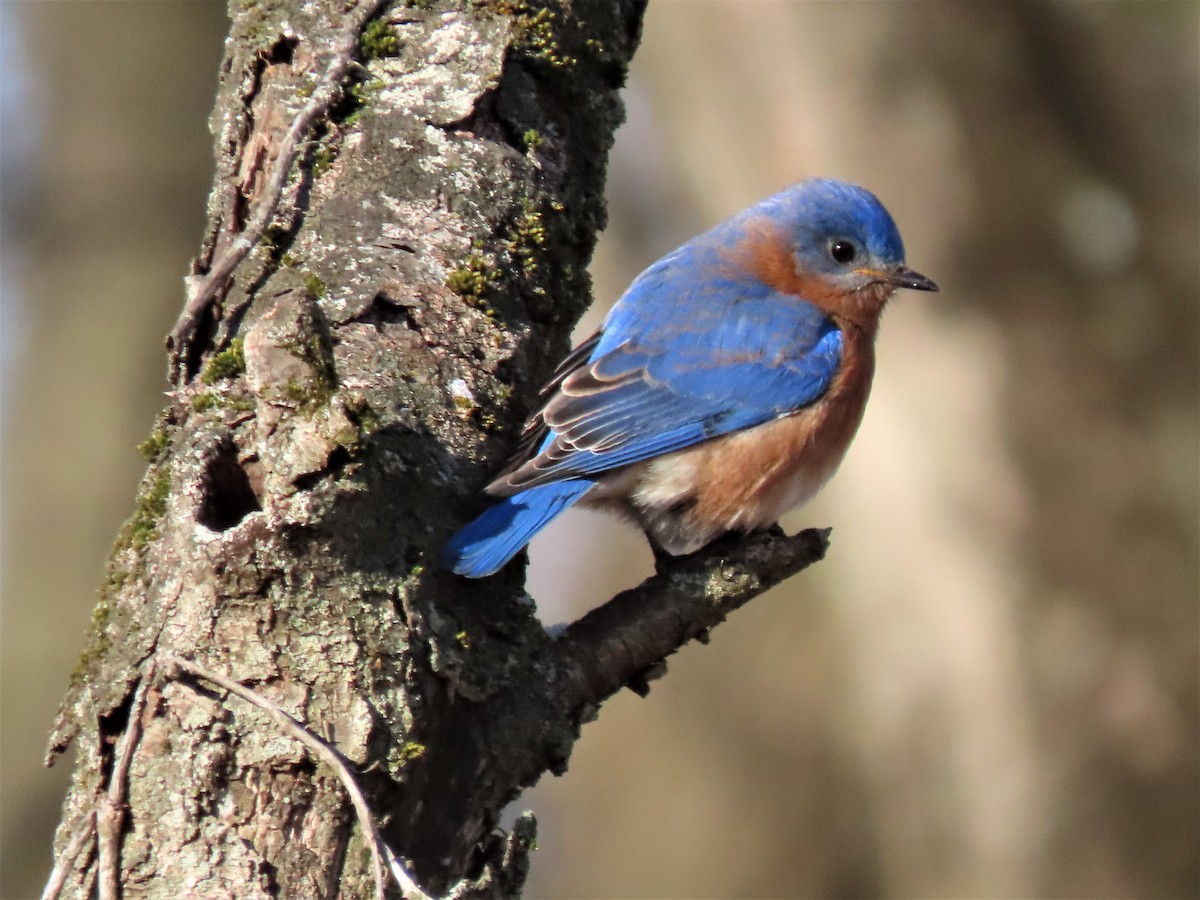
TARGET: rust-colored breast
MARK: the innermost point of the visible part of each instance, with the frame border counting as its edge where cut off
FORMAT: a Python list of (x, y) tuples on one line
[(749, 479)]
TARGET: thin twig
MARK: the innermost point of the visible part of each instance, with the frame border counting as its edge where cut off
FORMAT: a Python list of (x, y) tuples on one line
[(202, 290), (110, 807), (66, 860), (408, 887), (381, 855), (104, 822)]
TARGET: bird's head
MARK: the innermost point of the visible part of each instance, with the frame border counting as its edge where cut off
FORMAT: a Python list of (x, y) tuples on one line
[(841, 234)]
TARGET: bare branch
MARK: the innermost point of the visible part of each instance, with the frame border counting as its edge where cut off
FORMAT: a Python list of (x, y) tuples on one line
[(84, 833), (626, 641), (110, 807), (106, 820)]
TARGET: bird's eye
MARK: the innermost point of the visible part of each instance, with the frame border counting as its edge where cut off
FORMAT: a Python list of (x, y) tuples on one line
[(842, 251)]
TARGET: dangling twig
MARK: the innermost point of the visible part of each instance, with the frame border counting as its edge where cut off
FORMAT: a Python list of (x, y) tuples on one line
[(383, 859), (84, 832), (106, 821), (110, 807), (202, 290)]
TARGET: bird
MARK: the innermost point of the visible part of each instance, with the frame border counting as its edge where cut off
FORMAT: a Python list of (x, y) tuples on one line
[(722, 389)]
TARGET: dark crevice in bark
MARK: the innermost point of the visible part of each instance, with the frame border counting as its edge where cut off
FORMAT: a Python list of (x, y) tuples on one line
[(228, 491), (282, 52), (483, 122), (338, 459), (207, 326), (384, 310)]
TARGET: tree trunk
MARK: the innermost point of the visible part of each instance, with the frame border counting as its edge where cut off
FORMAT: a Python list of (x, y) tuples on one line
[(405, 202)]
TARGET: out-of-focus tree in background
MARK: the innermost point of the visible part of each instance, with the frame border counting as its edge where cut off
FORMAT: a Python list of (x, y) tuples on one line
[(992, 685)]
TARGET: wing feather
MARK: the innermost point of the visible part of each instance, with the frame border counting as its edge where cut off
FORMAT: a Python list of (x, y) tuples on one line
[(634, 403)]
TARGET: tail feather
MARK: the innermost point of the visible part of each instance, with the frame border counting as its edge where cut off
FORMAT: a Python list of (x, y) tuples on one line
[(483, 546)]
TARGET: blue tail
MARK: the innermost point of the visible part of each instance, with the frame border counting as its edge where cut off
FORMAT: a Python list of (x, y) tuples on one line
[(483, 546)]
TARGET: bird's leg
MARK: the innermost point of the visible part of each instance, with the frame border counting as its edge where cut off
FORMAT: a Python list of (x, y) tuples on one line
[(662, 558)]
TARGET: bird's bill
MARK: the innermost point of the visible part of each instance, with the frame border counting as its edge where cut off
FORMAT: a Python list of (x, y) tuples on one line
[(901, 276)]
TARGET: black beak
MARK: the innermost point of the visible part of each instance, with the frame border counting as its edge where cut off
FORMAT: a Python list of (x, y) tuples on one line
[(903, 276)]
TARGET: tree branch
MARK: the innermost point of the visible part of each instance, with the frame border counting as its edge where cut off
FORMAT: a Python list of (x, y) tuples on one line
[(626, 641)]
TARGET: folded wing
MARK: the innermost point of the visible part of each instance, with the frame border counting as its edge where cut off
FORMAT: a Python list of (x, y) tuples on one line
[(642, 388)]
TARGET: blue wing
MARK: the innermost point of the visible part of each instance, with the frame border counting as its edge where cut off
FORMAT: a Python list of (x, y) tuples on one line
[(678, 361)]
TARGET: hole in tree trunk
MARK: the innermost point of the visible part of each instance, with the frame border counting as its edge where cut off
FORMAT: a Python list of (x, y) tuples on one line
[(228, 495)]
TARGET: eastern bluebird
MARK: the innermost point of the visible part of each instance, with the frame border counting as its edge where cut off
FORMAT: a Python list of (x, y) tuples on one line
[(722, 389)]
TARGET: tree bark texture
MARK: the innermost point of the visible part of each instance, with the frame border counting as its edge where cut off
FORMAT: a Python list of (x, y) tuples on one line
[(405, 202)]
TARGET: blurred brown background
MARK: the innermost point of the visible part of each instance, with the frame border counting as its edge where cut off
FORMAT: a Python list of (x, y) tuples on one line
[(992, 686)]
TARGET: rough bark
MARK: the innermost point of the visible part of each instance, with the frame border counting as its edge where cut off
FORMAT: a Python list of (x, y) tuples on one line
[(405, 202)]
